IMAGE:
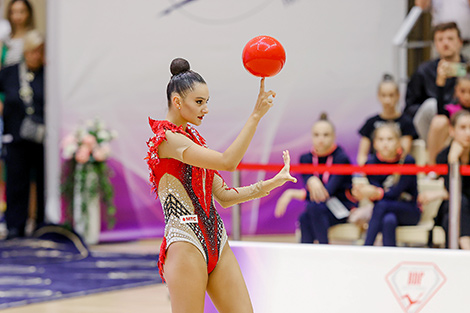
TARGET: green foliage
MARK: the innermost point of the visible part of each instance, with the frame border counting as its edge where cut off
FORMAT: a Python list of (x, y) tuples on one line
[(76, 178)]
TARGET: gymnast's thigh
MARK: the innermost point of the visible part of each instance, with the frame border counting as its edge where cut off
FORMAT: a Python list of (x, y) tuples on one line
[(226, 285), (185, 272)]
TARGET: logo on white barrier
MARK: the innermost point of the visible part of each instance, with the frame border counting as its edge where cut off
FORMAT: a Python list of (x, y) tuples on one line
[(414, 284)]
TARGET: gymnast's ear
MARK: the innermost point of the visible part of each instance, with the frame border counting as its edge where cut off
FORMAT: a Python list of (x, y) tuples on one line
[(176, 101)]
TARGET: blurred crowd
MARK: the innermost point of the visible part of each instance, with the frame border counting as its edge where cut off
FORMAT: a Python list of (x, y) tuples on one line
[(436, 114)]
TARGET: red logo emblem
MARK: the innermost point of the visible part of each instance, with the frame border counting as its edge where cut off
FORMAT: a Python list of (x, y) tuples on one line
[(188, 219), (414, 284)]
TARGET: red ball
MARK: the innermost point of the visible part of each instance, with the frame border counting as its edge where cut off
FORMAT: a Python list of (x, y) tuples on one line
[(263, 56)]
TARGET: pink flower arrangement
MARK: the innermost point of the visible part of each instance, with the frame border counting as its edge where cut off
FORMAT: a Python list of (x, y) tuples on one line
[(89, 143), (85, 172)]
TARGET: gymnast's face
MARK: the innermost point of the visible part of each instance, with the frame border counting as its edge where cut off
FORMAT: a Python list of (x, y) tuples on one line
[(193, 107), (388, 95), (386, 142), (461, 131), (323, 137)]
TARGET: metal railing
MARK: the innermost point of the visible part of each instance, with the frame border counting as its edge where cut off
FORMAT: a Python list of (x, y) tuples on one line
[(400, 44), (455, 198)]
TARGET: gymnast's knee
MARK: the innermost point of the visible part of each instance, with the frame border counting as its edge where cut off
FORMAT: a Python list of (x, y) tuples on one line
[(390, 221), (380, 206), (317, 208), (303, 218)]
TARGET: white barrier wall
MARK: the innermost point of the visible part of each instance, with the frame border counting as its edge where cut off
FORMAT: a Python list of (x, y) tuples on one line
[(341, 279)]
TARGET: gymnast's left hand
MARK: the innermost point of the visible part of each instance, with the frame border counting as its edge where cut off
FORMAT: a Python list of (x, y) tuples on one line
[(284, 175)]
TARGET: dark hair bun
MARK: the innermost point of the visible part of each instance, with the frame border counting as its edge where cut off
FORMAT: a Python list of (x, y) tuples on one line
[(323, 116), (178, 66), (387, 77)]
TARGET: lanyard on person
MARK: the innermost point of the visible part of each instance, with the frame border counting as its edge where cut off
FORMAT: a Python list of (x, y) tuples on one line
[(329, 162)]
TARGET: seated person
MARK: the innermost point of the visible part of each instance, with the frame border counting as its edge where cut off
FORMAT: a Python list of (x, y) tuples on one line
[(421, 94), (457, 11), (439, 130), (457, 151), (326, 194), (394, 196), (388, 95)]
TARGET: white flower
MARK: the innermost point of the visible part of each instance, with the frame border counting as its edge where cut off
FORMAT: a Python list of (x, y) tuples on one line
[(81, 132), (69, 150), (69, 146), (103, 135), (100, 125)]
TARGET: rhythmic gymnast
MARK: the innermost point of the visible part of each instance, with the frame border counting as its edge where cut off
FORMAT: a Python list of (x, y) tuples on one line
[(323, 192), (195, 256), (388, 95), (457, 151), (394, 196)]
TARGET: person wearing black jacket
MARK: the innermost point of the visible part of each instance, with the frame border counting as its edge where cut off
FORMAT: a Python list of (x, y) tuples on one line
[(421, 94), (24, 158)]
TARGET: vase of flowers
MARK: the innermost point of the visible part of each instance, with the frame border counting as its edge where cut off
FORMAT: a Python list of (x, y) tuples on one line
[(86, 185)]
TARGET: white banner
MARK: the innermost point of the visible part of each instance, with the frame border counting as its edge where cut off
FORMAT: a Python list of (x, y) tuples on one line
[(337, 279)]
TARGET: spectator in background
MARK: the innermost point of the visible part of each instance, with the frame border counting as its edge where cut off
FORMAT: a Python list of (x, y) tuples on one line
[(24, 157), (444, 11), (388, 94), (20, 16), (457, 151), (20, 21), (326, 194), (394, 196), (421, 94), (5, 30), (439, 129)]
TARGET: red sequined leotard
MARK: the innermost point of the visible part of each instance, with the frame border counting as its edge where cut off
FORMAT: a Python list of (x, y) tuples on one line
[(187, 194)]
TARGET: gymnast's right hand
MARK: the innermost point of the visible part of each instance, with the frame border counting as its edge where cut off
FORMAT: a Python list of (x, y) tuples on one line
[(264, 102)]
